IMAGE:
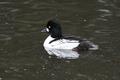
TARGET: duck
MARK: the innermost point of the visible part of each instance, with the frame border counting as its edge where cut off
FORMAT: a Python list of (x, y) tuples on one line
[(57, 40)]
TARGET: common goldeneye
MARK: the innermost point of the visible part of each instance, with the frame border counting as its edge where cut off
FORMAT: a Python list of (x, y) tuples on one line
[(57, 41)]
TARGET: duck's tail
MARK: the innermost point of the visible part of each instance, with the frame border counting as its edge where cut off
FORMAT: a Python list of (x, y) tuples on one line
[(87, 45), (94, 47)]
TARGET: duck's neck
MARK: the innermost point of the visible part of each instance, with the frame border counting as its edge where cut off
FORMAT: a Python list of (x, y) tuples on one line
[(57, 36)]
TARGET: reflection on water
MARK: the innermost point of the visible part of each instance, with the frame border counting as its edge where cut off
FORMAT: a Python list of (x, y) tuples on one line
[(22, 55)]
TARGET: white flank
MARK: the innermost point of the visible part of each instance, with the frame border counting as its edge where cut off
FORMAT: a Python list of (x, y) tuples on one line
[(60, 44)]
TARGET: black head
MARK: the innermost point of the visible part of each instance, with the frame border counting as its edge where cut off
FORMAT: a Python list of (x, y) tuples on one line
[(53, 28)]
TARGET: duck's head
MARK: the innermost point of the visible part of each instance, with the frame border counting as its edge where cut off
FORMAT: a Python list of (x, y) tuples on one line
[(53, 28)]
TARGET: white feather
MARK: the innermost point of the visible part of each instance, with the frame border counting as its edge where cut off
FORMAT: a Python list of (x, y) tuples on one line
[(62, 53), (60, 44), (94, 47)]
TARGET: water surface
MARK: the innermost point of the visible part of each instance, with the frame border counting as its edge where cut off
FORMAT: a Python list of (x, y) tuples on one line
[(23, 57)]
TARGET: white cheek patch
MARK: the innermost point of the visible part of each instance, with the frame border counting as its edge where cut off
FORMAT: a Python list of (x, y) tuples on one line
[(47, 29), (49, 26)]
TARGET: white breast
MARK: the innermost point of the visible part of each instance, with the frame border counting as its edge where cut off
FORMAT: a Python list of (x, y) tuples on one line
[(60, 44)]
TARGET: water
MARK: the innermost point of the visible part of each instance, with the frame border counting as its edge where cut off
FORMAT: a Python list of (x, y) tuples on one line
[(23, 57)]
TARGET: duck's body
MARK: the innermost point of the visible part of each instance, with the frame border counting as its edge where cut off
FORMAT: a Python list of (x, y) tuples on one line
[(56, 40), (71, 43), (60, 43)]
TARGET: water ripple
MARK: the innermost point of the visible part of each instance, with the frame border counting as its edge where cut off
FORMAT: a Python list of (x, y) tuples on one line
[(84, 76), (5, 3), (102, 1), (14, 10), (104, 10), (4, 37)]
